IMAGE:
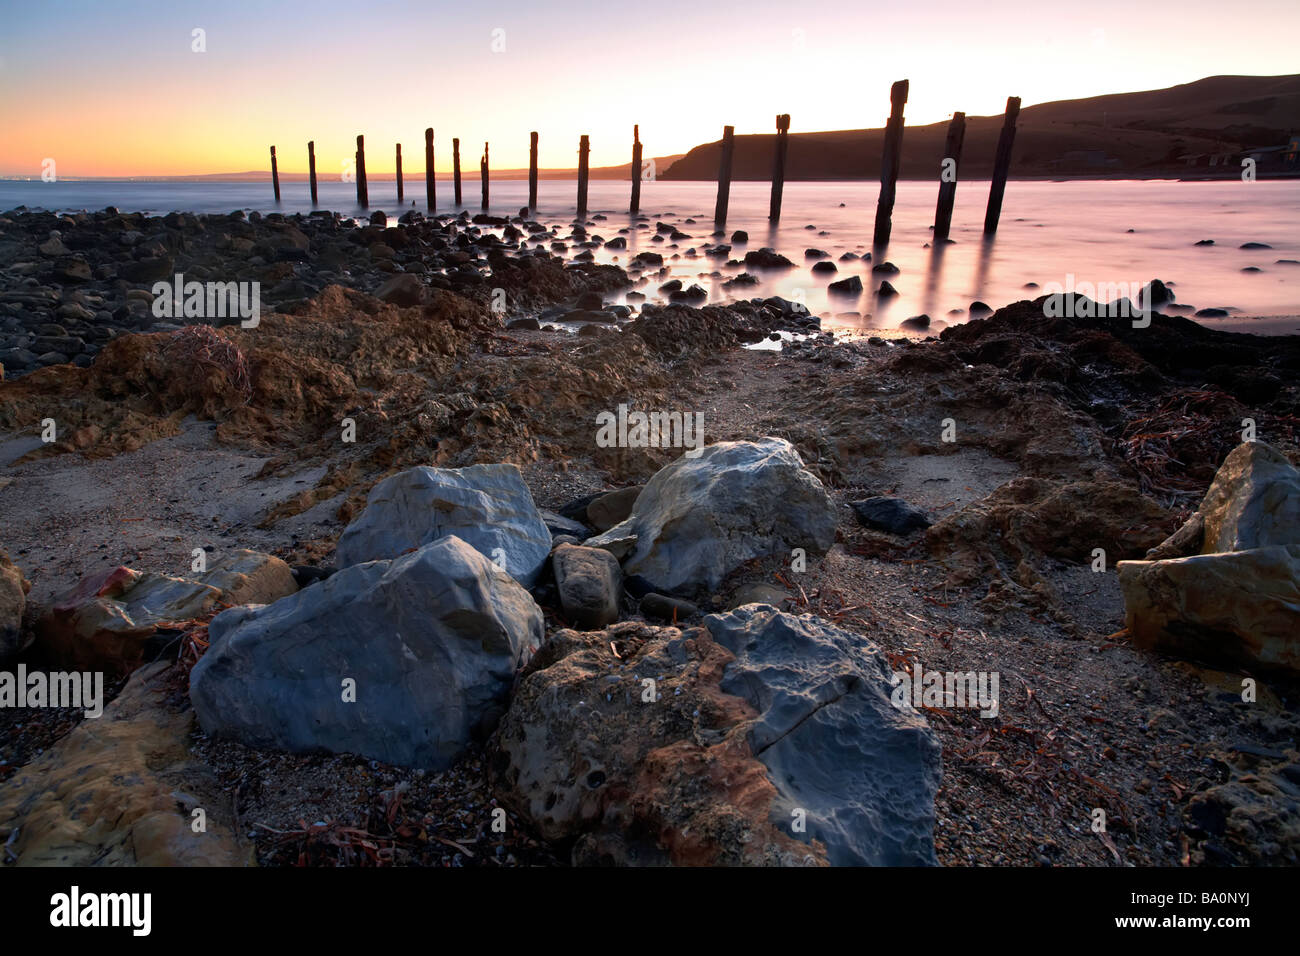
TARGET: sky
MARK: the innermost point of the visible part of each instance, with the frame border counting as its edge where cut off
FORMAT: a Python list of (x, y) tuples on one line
[(121, 88)]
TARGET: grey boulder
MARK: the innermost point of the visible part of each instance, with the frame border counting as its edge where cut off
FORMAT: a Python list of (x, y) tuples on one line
[(428, 645), (835, 746), (700, 518), (487, 506)]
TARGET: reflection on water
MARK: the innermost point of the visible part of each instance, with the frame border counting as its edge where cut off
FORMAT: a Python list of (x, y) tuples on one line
[(1097, 232)]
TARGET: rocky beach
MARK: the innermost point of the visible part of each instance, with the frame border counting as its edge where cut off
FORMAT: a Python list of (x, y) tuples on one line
[(442, 543)]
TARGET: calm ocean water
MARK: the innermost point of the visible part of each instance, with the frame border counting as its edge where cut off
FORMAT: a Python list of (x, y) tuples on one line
[(1095, 232)]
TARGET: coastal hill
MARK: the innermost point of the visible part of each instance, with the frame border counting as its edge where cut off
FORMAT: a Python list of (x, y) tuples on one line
[(1152, 133)]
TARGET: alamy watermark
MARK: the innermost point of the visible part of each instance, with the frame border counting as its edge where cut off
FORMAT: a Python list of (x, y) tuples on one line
[(84, 690), (1083, 300), (208, 300), (626, 429), (947, 689)]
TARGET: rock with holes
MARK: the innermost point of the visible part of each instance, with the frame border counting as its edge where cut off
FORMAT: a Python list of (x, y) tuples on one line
[(700, 518), (404, 661), (761, 738), (487, 506)]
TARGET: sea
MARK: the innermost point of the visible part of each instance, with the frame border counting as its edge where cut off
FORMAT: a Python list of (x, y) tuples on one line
[(1086, 236)]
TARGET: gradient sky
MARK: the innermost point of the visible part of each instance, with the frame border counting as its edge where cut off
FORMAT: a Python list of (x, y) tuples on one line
[(114, 89)]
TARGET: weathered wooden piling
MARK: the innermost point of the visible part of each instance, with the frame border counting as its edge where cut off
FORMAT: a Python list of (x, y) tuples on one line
[(275, 175), (778, 165), (724, 177), (455, 167), (363, 194), (889, 163), (483, 175), (635, 206), (948, 176), (311, 168), (532, 171), (429, 177), (1001, 165), (399, 174), (584, 150)]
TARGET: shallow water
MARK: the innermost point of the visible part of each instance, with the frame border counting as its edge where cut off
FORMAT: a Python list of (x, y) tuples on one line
[(1068, 233)]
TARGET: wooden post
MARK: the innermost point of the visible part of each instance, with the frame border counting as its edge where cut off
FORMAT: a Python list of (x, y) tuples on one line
[(455, 167), (724, 177), (1001, 165), (311, 168), (275, 175), (532, 171), (584, 149), (399, 174), (363, 194), (636, 171), (889, 163), (429, 177), (778, 165), (948, 176), (483, 175)]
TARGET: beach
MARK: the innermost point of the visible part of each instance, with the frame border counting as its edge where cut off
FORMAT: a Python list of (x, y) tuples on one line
[(1009, 449)]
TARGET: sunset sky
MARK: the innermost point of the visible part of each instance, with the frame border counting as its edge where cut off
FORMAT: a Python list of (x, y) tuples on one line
[(115, 89)]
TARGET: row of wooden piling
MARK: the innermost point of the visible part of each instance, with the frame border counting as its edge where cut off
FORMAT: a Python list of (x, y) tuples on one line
[(889, 169)]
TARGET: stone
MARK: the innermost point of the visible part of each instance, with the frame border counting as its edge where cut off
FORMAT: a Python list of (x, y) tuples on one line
[(1253, 502), (607, 510), (766, 258), (893, 515), (119, 790), (700, 518), (760, 594), (751, 716), (664, 608), (403, 290), (13, 602), (250, 577), (589, 581), (1238, 607), (152, 269), (833, 742), (109, 621), (487, 506), (558, 524), (1225, 587), (850, 286), (431, 639)]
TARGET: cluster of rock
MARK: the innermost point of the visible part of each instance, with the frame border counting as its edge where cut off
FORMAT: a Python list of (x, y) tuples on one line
[(771, 737), (74, 282)]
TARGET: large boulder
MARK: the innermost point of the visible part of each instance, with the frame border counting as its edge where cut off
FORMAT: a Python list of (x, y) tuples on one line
[(759, 739), (403, 661), (109, 621), (700, 518), (487, 506), (1253, 502), (1238, 607), (13, 601), (1226, 586)]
